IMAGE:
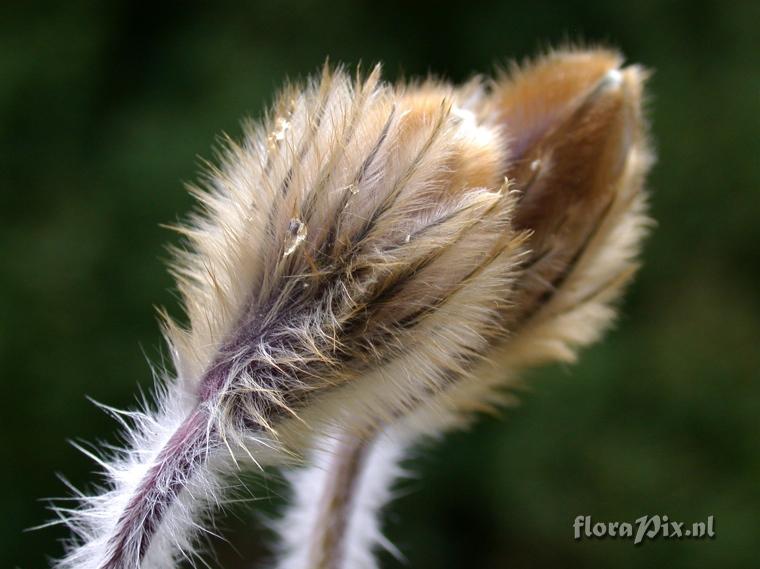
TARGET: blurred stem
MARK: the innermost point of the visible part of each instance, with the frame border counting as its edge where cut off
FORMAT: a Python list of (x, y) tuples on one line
[(342, 482)]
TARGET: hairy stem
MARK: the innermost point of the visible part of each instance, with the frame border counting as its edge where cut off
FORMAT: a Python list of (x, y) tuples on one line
[(333, 522), (180, 458), (336, 502)]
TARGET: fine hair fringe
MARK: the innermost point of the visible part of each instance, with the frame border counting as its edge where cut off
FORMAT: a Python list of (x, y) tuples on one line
[(373, 263)]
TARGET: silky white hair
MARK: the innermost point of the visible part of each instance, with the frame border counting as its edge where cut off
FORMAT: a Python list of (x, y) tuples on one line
[(373, 263)]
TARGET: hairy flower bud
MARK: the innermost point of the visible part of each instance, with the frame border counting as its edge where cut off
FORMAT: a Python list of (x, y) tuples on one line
[(363, 257)]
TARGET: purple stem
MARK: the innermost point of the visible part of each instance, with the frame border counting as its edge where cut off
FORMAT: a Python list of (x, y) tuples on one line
[(178, 460)]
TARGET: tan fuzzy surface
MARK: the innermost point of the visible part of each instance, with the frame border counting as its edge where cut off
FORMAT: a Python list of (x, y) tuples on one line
[(377, 258)]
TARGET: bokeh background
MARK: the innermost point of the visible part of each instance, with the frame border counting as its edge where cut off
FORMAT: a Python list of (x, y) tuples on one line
[(105, 109)]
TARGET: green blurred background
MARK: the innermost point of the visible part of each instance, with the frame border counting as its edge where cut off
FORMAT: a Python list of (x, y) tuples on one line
[(106, 107)]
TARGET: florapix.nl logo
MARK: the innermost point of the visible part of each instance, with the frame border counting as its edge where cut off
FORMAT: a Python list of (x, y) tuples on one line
[(648, 527)]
